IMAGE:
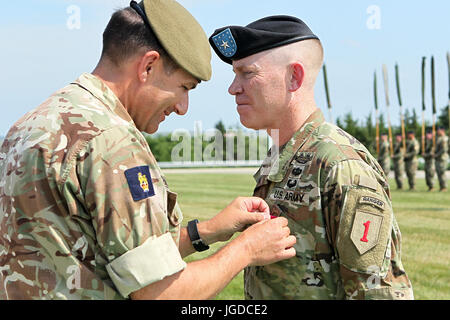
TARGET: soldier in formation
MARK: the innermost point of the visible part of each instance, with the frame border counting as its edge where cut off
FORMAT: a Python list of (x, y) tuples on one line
[(384, 157), (399, 164), (411, 160), (441, 158), (428, 156)]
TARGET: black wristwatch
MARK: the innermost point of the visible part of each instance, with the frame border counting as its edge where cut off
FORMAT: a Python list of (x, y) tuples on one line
[(197, 242)]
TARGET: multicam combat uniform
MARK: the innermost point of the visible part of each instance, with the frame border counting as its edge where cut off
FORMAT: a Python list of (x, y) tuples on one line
[(441, 158), (429, 163), (399, 164), (411, 161), (337, 201), (384, 158), (85, 212)]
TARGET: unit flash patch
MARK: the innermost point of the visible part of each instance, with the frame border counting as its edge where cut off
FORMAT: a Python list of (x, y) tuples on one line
[(140, 182)]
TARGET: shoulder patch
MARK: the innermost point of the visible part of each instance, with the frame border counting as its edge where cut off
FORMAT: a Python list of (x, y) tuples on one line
[(140, 182), (366, 230)]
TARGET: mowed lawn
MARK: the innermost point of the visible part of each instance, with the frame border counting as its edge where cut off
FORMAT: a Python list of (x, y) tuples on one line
[(424, 220)]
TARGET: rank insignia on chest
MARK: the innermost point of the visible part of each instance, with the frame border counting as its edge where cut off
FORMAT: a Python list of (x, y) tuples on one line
[(304, 157), (140, 182)]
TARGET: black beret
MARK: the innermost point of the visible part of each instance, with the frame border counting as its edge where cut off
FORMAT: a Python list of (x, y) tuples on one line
[(235, 42)]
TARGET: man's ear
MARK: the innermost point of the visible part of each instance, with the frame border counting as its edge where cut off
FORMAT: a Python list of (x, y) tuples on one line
[(296, 76), (146, 63)]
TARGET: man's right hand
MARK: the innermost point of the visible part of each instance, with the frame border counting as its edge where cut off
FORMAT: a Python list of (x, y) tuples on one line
[(268, 241)]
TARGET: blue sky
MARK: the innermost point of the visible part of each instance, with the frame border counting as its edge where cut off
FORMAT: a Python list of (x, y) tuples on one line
[(40, 53)]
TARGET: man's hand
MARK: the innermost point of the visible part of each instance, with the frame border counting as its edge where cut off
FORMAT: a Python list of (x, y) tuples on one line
[(240, 213), (268, 242)]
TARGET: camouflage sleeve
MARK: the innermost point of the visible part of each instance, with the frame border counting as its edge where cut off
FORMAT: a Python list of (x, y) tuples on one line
[(118, 184), (416, 148), (410, 154), (441, 148), (365, 234)]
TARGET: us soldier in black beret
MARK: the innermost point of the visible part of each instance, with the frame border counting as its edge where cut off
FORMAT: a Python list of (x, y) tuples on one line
[(330, 188)]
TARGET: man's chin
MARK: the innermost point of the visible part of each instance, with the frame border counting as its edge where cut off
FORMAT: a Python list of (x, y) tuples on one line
[(151, 129), (248, 124)]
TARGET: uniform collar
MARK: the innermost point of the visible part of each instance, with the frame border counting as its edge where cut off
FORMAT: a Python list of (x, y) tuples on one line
[(102, 92), (287, 152)]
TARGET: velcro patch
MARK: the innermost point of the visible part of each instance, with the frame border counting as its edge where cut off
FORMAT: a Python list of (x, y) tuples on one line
[(366, 230), (140, 182), (372, 201), (366, 182), (289, 196)]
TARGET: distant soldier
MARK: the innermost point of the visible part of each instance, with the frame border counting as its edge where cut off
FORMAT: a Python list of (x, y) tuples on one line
[(411, 161), (428, 156), (399, 164), (441, 158), (384, 158)]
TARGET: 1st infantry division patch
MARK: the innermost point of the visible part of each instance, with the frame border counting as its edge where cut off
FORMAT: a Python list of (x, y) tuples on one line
[(366, 230)]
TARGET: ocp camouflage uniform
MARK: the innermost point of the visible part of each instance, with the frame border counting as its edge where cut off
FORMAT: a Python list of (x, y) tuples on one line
[(85, 212), (441, 158), (384, 158), (337, 201), (428, 156), (399, 164), (411, 161)]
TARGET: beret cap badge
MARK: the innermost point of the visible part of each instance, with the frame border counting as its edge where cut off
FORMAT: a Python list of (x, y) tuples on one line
[(236, 42), (225, 43)]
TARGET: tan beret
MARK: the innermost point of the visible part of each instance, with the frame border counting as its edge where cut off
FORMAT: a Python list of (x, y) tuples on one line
[(181, 36)]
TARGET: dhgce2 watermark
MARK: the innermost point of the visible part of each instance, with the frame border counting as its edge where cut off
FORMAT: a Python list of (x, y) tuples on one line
[(224, 311)]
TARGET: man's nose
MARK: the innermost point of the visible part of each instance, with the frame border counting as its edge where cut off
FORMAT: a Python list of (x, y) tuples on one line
[(235, 88), (181, 108)]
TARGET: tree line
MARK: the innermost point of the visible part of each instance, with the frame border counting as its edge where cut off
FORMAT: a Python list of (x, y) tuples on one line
[(364, 130)]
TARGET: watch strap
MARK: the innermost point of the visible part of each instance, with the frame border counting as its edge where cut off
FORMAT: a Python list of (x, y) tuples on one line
[(196, 241)]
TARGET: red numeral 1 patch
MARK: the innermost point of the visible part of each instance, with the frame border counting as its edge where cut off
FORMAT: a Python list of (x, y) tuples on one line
[(366, 231)]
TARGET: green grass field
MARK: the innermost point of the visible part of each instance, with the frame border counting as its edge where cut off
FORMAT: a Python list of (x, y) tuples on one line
[(424, 220)]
